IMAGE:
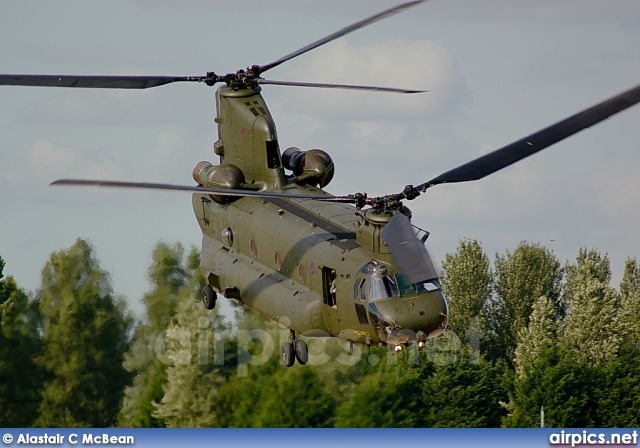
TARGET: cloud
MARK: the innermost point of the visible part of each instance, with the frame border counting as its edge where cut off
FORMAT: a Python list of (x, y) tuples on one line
[(100, 107), (393, 62), (166, 157), (44, 157), (44, 162)]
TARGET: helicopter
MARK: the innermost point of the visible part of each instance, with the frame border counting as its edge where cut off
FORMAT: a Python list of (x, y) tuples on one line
[(351, 266)]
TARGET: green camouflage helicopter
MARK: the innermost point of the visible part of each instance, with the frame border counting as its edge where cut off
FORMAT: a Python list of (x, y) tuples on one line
[(348, 266)]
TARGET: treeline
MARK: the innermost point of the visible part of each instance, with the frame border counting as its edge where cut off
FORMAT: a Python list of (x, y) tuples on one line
[(526, 331)]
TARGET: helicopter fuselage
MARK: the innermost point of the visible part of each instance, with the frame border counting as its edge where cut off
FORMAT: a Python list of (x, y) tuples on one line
[(301, 264), (319, 268)]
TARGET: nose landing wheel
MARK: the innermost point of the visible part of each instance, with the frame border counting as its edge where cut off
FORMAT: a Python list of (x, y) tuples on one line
[(294, 349)]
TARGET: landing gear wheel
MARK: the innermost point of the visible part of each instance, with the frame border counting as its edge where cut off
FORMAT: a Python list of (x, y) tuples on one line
[(208, 297), (287, 354), (302, 353)]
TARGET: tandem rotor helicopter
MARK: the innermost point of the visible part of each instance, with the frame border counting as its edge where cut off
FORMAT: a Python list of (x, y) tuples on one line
[(349, 266)]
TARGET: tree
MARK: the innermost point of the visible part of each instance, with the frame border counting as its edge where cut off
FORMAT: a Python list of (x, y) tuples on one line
[(387, 398), (593, 328), (260, 392), (85, 337), (293, 398), (618, 392), (467, 286), (20, 342), (630, 300), (464, 395), (538, 337), (199, 364), (521, 277), (192, 378), (563, 387), (630, 285), (169, 276), (539, 374)]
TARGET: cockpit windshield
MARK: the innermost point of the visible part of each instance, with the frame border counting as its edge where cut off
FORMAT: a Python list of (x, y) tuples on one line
[(374, 282), (407, 288), (382, 287)]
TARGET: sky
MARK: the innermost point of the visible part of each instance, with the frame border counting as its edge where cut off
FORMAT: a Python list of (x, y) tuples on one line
[(496, 71)]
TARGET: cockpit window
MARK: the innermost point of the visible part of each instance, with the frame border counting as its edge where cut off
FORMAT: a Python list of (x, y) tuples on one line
[(359, 290), (369, 268), (407, 288), (374, 282), (382, 286)]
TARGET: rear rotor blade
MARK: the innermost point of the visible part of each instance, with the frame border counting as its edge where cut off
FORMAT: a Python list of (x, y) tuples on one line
[(516, 151), (96, 82), (408, 252), (194, 189), (342, 32), (339, 86)]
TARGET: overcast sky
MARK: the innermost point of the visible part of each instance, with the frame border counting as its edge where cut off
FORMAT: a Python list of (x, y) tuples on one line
[(497, 70)]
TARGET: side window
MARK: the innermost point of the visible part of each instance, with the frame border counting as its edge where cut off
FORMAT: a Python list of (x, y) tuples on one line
[(329, 286), (359, 289), (273, 155), (362, 314)]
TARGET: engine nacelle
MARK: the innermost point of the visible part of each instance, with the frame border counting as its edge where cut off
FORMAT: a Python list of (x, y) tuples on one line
[(225, 175), (313, 167)]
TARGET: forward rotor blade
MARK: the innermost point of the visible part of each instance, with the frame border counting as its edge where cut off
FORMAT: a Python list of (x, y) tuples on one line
[(193, 189), (516, 151), (96, 82), (408, 252), (342, 32), (338, 86)]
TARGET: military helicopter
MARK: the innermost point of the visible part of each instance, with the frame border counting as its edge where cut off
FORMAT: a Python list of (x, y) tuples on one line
[(349, 266)]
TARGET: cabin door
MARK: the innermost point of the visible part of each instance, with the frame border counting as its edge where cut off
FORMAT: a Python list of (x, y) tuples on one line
[(329, 298)]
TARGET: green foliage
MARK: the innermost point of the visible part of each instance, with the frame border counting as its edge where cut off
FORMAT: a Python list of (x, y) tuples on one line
[(192, 378), (464, 395), (260, 392), (197, 365), (630, 285), (173, 278), (564, 388), (147, 389), (547, 376), (20, 342), (389, 397), (538, 337), (593, 329), (85, 336), (521, 277), (168, 275), (618, 392), (289, 398), (630, 301), (576, 368), (467, 285)]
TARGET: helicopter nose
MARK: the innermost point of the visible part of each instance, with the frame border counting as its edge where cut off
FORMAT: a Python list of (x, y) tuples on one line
[(424, 314)]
